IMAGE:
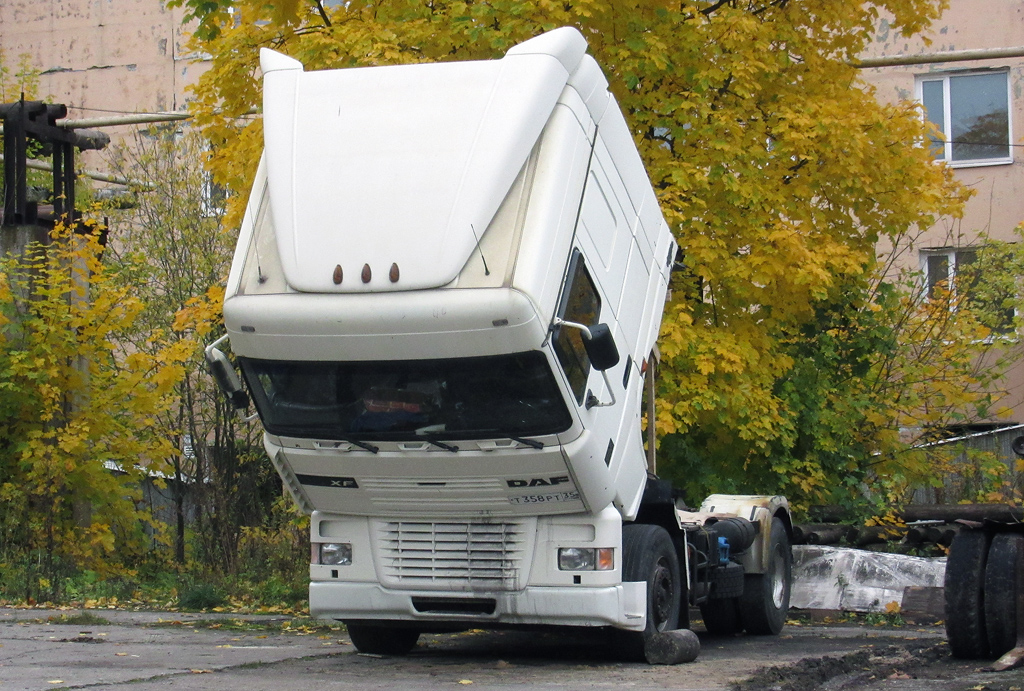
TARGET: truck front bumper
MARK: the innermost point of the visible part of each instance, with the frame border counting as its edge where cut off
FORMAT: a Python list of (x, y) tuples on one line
[(623, 606)]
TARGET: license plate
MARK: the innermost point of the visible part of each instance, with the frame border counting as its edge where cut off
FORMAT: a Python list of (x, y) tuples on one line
[(545, 498)]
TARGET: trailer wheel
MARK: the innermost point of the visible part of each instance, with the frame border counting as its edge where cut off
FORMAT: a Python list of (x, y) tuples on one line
[(764, 604), (382, 640), (649, 556), (1000, 593), (964, 588), (722, 617)]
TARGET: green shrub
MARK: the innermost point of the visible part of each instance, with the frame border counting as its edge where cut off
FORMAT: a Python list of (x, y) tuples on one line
[(200, 596)]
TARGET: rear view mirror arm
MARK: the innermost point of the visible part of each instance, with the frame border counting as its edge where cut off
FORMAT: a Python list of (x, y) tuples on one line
[(226, 377)]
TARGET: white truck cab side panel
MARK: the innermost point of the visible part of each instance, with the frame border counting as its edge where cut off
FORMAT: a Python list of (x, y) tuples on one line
[(551, 216)]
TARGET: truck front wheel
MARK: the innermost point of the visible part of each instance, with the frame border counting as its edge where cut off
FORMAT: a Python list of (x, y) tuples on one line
[(764, 604), (382, 640), (650, 557)]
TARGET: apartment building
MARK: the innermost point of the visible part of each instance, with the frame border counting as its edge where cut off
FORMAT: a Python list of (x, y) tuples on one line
[(977, 105), (970, 83)]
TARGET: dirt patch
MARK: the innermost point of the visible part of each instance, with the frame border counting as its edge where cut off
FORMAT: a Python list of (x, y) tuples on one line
[(913, 660)]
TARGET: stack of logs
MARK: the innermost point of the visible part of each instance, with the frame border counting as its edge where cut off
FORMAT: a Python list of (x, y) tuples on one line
[(921, 526)]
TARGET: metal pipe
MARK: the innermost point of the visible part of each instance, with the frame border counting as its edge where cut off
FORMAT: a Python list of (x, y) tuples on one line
[(942, 56), (136, 119), (95, 175)]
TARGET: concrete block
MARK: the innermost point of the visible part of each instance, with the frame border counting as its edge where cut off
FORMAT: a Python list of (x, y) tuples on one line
[(672, 647), (853, 580)]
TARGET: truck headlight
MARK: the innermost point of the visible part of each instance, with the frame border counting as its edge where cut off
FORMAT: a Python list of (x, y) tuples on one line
[(336, 553), (585, 559)]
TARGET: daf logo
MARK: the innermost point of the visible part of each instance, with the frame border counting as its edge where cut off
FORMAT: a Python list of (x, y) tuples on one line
[(539, 481)]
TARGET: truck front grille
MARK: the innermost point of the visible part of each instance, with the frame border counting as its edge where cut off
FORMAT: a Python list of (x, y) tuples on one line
[(476, 556)]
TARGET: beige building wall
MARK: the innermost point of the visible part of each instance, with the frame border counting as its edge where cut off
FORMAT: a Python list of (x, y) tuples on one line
[(101, 58), (997, 206)]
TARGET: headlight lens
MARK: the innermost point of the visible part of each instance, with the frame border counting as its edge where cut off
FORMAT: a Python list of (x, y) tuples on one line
[(585, 559), (336, 553)]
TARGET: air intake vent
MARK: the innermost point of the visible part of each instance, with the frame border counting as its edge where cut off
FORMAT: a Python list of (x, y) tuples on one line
[(467, 556), (454, 605)]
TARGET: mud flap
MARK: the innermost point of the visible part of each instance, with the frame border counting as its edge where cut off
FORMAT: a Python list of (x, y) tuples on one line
[(634, 605)]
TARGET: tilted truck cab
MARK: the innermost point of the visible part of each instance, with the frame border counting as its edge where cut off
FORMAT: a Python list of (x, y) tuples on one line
[(444, 300)]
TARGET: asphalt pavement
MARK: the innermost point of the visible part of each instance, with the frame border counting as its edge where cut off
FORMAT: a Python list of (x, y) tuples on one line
[(143, 651)]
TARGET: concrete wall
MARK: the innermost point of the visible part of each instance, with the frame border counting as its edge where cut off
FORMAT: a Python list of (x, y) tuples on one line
[(101, 57)]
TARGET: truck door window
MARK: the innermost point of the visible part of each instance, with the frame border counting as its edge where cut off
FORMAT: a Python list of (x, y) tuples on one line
[(580, 304)]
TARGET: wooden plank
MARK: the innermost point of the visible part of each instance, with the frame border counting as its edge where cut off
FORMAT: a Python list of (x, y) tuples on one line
[(923, 605)]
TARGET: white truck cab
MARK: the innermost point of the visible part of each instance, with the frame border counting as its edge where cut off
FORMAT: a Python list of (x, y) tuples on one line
[(446, 291)]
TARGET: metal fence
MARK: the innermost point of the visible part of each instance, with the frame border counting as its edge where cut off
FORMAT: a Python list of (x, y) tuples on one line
[(978, 462)]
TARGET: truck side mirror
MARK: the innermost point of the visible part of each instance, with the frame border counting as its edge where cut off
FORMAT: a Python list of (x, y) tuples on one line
[(597, 341), (226, 377), (601, 348)]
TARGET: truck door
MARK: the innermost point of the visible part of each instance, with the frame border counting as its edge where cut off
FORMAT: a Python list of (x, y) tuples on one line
[(604, 231), (593, 460)]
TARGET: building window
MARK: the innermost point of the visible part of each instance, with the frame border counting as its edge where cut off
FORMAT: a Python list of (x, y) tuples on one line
[(943, 266), (214, 197), (972, 111), (955, 274)]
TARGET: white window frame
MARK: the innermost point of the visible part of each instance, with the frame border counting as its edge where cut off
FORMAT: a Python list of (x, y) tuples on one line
[(947, 155), (214, 197), (952, 262)]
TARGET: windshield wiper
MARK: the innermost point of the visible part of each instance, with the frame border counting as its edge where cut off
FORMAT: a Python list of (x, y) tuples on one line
[(355, 442), (438, 444), (362, 444), (532, 443)]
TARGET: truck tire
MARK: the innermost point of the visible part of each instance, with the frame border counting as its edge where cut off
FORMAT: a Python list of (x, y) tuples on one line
[(964, 589), (764, 604), (649, 556), (382, 640), (1000, 593), (722, 617)]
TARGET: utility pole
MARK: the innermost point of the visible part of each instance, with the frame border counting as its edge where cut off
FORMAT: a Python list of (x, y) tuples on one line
[(21, 224), (37, 121)]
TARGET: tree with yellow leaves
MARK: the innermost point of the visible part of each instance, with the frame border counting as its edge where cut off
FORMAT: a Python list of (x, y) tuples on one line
[(79, 431), (775, 166), (171, 251)]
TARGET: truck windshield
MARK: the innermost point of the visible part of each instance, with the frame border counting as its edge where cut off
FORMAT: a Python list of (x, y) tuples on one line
[(464, 398)]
